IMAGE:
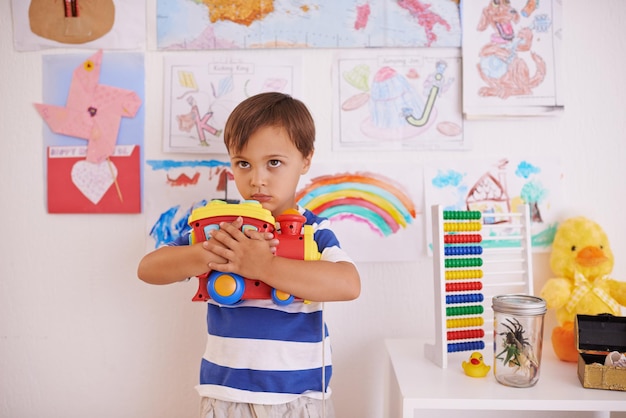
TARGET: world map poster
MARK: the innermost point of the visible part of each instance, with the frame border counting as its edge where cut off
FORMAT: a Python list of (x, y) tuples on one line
[(220, 24)]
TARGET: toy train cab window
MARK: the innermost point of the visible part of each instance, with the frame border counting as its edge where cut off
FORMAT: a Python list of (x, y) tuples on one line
[(207, 230), (296, 242)]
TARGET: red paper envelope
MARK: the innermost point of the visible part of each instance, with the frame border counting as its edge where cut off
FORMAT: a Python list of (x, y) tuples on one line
[(76, 185)]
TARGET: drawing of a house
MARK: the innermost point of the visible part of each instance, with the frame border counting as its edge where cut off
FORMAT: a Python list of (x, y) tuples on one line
[(489, 195)]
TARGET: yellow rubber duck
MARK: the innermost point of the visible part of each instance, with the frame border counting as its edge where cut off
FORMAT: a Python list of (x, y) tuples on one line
[(475, 367)]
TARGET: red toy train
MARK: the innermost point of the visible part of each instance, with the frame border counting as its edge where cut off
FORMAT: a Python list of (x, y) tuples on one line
[(296, 242)]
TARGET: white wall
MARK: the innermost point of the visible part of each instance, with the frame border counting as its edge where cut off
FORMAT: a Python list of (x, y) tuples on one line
[(81, 336)]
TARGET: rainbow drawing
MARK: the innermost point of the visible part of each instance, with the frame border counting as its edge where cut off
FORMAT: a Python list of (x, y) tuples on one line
[(362, 197)]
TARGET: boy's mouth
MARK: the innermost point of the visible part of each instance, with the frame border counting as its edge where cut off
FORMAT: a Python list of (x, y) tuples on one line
[(260, 197)]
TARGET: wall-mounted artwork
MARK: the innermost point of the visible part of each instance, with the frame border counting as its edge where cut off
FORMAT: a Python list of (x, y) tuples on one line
[(398, 100), (74, 185), (373, 212), (109, 24), (496, 186), (374, 215), (219, 24), (201, 91), (93, 131), (512, 58), (173, 188)]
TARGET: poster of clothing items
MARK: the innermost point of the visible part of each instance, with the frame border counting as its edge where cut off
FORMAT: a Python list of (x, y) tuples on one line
[(220, 24), (396, 99), (39, 24), (93, 131), (496, 187), (201, 90), (512, 58)]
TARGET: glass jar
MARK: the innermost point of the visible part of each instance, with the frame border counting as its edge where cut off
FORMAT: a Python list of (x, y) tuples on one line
[(517, 339)]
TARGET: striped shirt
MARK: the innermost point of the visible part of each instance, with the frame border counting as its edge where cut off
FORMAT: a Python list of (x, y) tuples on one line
[(262, 353)]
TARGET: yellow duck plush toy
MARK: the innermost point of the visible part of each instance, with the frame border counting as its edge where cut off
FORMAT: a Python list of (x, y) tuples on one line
[(582, 260)]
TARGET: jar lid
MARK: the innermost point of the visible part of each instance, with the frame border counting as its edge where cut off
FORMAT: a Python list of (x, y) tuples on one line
[(519, 304)]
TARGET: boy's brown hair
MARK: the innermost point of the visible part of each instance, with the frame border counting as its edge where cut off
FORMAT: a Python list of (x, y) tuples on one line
[(270, 109)]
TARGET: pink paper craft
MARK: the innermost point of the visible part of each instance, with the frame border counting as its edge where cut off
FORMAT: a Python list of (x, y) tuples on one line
[(93, 111)]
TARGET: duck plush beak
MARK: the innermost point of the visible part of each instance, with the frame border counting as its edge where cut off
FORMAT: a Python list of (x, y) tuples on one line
[(591, 257)]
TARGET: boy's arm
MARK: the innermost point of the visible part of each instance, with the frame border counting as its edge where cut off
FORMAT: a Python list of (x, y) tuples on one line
[(318, 281), (172, 264)]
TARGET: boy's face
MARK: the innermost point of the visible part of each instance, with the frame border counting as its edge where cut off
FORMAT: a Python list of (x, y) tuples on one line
[(268, 169)]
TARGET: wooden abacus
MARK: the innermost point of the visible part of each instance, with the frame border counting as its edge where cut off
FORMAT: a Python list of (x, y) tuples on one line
[(475, 258)]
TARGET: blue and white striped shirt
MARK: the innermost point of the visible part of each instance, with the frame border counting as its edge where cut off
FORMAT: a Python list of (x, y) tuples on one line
[(259, 352)]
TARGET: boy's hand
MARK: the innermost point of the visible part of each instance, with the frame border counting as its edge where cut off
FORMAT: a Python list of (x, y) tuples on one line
[(254, 234), (211, 244), (244, 252)]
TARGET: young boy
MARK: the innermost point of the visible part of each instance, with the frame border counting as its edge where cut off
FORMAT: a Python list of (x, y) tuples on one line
[(262, 359)]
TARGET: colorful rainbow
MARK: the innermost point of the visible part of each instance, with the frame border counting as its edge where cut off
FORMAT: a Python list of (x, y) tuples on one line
[(361, 197)]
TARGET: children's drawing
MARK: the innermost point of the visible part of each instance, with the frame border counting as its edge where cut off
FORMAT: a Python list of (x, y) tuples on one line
[(498, 187), (501, 68), (109, 24), (363, 197), (511, 56), (220, 24), (398, 100), (372, 213), (173, 188), (112, 186), (97, 103), (201, 93), (93, 111)]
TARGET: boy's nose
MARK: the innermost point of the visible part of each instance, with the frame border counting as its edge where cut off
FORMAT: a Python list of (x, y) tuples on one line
[(258, 178)]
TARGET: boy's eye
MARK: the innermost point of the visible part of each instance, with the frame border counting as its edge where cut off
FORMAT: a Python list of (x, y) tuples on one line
[(243, 164), (274, 163)]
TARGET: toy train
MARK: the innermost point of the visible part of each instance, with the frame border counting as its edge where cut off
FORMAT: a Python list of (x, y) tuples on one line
[(295, 242)]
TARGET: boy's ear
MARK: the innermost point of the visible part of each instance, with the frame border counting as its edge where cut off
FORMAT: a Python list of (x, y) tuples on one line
[(307, 163)]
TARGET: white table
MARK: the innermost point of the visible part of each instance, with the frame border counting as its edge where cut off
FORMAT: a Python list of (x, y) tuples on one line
[(415, 383)]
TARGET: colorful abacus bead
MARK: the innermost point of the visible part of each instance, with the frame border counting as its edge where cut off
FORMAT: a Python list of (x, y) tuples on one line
[(463, 262), (462, 226), (467, 334), (464, 298), (462, 238), (463, 250), (463, 286), (466, 346), (476, 321), (465, 310), (463, 274), (461, 214)]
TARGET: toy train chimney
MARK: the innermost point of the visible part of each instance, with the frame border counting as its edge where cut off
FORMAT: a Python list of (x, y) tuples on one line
[(290, 222)]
